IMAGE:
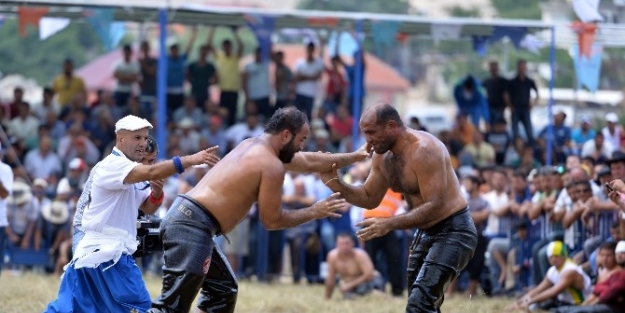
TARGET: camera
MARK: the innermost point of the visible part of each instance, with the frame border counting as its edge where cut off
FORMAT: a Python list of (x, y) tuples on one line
[(148, 236)]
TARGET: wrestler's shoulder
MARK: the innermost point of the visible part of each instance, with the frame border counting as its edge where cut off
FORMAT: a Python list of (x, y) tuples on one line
[(426, 144)]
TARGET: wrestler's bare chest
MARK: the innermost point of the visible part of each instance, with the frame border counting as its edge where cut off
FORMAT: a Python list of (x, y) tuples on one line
[(399, 175)]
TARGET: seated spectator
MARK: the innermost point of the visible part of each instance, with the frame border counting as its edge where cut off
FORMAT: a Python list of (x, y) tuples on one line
[(482, 153), (353, 269), (22, 215), (499, 138), (597, 148), (565, 283), (607, 296), (53, 228)]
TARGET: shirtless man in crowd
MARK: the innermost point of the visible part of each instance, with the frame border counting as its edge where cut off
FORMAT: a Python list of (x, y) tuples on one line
[(416, 164), (355, 270), (251, 172)]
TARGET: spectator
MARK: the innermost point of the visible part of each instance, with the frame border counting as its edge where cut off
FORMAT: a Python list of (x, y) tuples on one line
[(228, 71), (307, 74), (350, 70), (518, 97), (74, 181), (127, 74), (241, 131), (499, 139), (189, 111), (25, 124), (481, 153), (579, 136), (283, 81), (52, 227), (215, 134), (148, 80), (561, 137), (66, 85), (176, 75), (189, 137), (335, 88), (353, 269), (613, 132), (11, 110), (201, 74), (48, 104), (471, 101), (43, 162), (6, 189), (597, 148), (496, 87), (256, 85), (340, 124), (22, 215), (463, 130), (415, 124)]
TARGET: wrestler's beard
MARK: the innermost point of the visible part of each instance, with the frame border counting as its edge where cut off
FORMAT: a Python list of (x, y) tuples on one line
[(287, 152)]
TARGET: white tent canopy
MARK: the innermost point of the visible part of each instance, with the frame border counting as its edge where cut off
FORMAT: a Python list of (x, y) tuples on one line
[(147, 11)]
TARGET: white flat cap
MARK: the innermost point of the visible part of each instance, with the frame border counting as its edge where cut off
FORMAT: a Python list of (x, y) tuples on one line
[(132, 123)]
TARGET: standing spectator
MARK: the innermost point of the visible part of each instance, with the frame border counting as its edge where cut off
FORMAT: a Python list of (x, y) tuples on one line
[(256, 85), (127, 74), (561, 137), (6, 188), (148, 79), (66, 85), (176, 75), (613, 131), (228, 71), (496, 87), (471, 101), (519, 100), (201, 74), (340, 124), (335, 89), (283, 81), (307, 74)]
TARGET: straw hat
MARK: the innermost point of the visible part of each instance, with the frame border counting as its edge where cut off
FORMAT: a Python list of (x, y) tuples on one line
[(56, 212), (22, 193)]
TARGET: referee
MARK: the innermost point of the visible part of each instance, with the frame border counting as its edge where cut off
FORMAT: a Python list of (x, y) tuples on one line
[(102, 275)]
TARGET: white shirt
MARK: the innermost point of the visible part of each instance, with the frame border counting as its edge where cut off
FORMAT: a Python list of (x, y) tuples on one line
[(308, 88), (496, 202), (39, 166), (23, 128), (614, 140), (126, 68), (589, 149), (241, 131), (570, 295), (258, 85), (113, 203), (6, 178)]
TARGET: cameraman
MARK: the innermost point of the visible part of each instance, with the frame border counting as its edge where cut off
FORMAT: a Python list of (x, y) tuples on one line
[(103, 271)]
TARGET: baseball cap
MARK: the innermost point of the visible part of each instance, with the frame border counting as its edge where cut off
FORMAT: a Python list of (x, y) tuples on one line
[(585, 119), (611, 117), (132, 123), (620, 247), (556, 248), (40, 182), (76, 164)]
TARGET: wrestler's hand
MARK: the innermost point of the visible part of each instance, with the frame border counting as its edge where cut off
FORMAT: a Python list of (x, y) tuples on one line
[(329, 206), (365, 151), (207, 156), (157, 188), (372, 228), (330, 175)]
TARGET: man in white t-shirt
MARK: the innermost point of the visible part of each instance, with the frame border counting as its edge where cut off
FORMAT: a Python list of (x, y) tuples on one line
[(6, 187), (612, 131), (103, 271), (127, 73), (256, 85), (307, 74)]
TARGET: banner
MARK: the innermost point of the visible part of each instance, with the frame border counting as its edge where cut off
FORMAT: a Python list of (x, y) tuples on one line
[(328, 22), (587, 10), (515, 34), (262, 26), (480, 45), (585, 36), (49, 26), (588, 70), (347, 43), (102, 22), (445, 32), (384, 34), (29, 16), (532, 44)]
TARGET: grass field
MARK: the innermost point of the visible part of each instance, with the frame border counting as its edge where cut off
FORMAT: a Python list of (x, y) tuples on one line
[(30, 293)]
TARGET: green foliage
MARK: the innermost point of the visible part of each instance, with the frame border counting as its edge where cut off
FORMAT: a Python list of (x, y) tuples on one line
[(372, 6), (517, 9), (458, 11), (42, 60)]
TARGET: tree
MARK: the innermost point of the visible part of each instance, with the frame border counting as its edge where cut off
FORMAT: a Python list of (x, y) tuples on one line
[(372, 6), (458, 11)]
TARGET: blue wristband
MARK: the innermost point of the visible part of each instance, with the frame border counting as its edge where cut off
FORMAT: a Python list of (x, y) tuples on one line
[(178, 164)]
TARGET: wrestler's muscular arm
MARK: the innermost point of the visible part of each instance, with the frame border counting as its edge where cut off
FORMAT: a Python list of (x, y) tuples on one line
[(310, 162), (367, 196), (428, 164), (270, 201)]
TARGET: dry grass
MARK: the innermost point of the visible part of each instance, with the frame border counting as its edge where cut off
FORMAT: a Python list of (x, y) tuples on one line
[(31, 293)]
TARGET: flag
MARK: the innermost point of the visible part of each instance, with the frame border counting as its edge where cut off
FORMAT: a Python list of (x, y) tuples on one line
[(587, 10), (445, 31), (101, 19), (585, 36), (49, 26), (588, 69), (480, 45), (29, 16), (515, 34)]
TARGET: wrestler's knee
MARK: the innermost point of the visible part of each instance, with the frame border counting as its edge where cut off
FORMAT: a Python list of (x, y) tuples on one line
[(224, 302), (421, 301)]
